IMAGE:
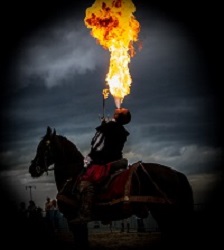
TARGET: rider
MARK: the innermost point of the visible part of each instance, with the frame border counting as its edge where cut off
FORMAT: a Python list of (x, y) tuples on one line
[(105, 157)]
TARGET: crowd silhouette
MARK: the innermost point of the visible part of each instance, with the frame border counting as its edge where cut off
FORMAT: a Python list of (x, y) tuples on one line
[(37, 226)]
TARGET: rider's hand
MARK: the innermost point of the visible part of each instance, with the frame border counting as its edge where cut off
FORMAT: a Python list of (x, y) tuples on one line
[(87, 161)]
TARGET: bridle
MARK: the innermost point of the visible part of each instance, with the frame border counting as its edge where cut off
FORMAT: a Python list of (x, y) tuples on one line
[(46, 152), (46, 168)]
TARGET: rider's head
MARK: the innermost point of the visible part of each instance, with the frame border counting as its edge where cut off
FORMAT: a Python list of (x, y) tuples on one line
[(122, 116)]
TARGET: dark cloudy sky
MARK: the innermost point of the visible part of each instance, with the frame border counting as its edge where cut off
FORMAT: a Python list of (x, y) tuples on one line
[(53, 73)]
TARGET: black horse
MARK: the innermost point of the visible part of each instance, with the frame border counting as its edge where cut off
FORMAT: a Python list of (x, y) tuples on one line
[(137, 190)]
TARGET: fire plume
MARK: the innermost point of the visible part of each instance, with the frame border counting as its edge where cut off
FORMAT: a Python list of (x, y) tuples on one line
[(115, 28)]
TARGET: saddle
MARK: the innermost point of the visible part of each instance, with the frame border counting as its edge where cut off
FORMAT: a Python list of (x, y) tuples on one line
[(128, 185), (69, 194), (128, 189)]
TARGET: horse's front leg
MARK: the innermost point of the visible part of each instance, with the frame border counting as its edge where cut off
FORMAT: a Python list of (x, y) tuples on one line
[(80, 235)]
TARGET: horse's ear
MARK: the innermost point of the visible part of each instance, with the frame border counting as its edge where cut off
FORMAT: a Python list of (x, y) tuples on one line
[(49, 131), (54, 133)]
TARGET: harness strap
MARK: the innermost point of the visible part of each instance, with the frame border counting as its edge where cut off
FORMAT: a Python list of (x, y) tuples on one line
[(128, 198), (127, 187), (155, 185)]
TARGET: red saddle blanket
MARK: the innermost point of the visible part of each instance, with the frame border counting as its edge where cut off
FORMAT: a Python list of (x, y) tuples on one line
[(138, 184), (135, 184), (110, 186), (96, 173), (115, 186)]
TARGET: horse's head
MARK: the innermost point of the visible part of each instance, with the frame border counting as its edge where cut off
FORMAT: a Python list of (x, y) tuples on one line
[(44, 155)]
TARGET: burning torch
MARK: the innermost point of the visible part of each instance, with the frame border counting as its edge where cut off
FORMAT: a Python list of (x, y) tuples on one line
[(105, 94)]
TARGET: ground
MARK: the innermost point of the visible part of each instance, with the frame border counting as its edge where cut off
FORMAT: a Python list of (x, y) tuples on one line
[(115, 241), (206, 231)]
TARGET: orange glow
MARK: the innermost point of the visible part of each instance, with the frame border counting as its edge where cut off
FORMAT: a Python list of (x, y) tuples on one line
[(114, 26)]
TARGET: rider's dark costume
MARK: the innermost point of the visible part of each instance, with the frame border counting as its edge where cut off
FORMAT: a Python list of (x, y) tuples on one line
[(106, 148)]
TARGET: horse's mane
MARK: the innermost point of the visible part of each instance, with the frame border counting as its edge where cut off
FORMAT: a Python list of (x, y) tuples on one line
[(59, 136), (63, 142), (68, 159), (64, 139), (71, 147)]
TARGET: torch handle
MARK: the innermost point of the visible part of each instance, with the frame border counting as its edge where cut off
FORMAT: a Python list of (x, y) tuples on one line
[(103, 116), (105, 94)]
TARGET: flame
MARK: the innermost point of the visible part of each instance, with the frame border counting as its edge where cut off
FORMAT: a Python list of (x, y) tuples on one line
[(116, 29)]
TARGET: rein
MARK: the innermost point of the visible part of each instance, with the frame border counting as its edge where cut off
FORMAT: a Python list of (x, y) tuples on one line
[(53, 153), (46, 167)]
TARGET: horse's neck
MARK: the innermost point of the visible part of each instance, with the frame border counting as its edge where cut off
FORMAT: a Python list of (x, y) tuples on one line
[(68, 161), (67, 151)]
